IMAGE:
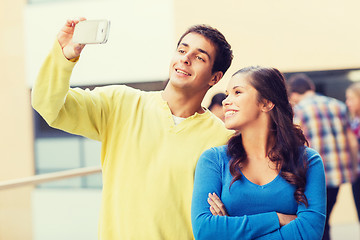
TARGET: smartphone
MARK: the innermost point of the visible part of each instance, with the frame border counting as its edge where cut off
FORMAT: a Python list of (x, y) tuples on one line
[(91, 32)]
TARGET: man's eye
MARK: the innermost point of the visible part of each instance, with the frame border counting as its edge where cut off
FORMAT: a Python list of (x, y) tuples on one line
[(237, 92), (181, 51), (200, 58)]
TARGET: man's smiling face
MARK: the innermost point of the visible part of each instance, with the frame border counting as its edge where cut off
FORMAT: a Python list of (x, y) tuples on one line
[(191, 65)]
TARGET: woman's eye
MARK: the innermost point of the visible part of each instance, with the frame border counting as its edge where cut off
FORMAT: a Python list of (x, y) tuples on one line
[(181, 51), (237, 92)]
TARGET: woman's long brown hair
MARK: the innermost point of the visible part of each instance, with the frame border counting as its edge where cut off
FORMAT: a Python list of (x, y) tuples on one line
[(288, 150)]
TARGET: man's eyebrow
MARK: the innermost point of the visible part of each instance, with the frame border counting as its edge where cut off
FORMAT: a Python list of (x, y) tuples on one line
[(205, 52), (199, 49)]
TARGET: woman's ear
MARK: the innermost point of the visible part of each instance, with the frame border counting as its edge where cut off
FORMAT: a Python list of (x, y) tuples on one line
[(267, 105)]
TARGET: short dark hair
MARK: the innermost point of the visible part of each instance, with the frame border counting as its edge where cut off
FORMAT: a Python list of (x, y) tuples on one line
[(300, 83), (224, 54), (217, 100)]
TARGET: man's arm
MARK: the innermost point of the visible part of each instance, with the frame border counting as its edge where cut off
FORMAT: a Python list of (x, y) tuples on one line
[(72, 110), (353, 143), (53, 81)]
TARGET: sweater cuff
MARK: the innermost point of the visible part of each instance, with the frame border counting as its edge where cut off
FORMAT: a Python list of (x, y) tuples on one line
[(264, 223), (64, 63)]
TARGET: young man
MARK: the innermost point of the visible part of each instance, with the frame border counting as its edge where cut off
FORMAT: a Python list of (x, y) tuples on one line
[(151, 141), (326, 126)]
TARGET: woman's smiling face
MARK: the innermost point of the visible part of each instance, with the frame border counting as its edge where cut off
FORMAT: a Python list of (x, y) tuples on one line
[(241, 105)]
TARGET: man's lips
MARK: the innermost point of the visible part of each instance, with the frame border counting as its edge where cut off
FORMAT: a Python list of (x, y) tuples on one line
[(182, 72)]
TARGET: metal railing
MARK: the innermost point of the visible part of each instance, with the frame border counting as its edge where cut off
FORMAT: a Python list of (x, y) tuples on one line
[(41, 178)]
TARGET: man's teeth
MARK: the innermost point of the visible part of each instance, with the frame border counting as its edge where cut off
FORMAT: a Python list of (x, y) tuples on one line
[(229, 113), (179, 71)]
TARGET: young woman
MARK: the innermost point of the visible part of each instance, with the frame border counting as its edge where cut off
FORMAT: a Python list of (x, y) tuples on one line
[(353, 103), (265, 184)]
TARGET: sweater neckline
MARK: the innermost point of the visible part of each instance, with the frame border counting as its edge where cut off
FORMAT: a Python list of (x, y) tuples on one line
[(165, 106), (272, 182)]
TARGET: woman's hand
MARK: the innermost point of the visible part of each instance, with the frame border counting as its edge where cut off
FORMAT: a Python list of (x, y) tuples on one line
[(217, 208), (285, 218)]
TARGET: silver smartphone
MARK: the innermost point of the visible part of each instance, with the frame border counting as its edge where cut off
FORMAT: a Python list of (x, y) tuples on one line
[(91, 32)]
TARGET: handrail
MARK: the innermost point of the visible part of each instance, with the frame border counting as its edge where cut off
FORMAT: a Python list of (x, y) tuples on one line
[(41, 178)]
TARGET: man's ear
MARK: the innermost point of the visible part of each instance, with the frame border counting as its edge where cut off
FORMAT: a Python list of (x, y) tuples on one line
[(216, 78), (267, 106)]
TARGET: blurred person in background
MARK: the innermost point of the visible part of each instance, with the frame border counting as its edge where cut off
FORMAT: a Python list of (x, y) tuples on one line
[(151, 141), (353, 103), (216, 105), (265, 183), (326, 126)]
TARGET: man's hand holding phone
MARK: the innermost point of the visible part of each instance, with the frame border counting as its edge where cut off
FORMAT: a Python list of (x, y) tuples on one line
[(70, 49), (78, 32)]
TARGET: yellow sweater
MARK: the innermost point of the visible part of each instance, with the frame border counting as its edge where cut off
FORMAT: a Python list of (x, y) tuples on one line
[(148, 163)]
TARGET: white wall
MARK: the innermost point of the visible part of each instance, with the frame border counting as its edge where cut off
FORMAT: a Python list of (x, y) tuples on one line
[(60, 214), (139, 48)]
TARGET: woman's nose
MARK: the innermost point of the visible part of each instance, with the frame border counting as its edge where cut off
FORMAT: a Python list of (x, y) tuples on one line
[(226, 101)]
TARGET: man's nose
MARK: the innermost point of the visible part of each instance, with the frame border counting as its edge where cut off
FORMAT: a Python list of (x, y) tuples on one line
[(185, 59)]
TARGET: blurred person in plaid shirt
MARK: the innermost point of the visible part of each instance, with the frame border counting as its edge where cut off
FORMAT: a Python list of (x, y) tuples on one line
[(353, 103), (326, 126)]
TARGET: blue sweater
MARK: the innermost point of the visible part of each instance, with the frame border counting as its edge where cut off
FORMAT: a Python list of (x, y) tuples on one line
[(252, 208)]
